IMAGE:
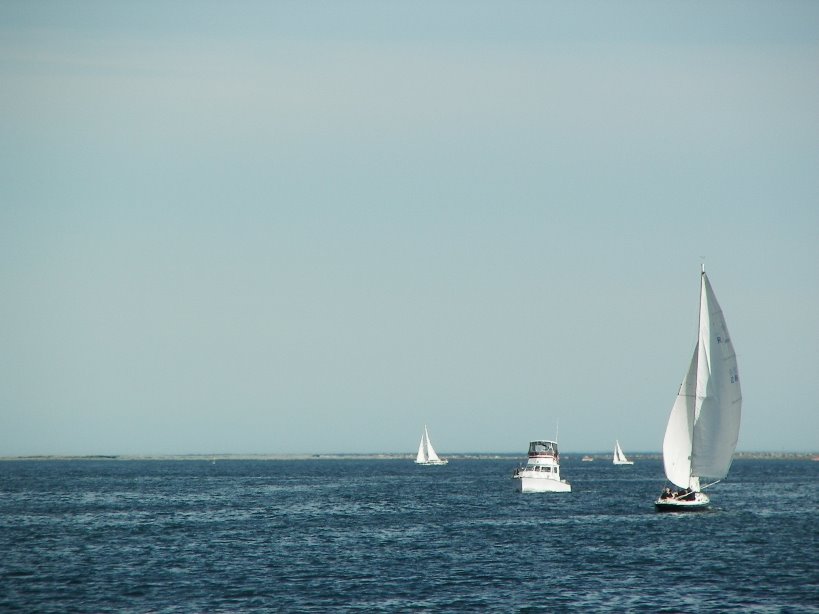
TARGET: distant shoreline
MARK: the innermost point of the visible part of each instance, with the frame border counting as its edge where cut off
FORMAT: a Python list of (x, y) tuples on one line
[(569, 456)]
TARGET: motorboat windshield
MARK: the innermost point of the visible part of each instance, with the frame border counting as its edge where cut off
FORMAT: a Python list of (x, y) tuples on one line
[(542, 448)]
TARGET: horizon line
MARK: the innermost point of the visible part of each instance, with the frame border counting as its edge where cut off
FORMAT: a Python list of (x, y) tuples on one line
[(365, 455)]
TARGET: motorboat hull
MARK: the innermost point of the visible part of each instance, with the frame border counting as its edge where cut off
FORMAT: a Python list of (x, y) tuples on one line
[(541, 484), (699, 503)]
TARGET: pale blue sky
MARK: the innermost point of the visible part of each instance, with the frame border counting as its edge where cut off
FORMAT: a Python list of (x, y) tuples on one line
[(315, 226)]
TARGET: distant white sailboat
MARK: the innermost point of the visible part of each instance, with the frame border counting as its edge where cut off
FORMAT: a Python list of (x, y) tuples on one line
[(619, 457), (426, 453), (703, 427)]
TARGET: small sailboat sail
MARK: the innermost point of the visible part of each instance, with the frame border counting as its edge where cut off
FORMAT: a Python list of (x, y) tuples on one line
[(426, 453), (619, 457), (703, 427)]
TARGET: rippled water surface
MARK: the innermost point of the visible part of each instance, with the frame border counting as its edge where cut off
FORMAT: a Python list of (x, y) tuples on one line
[(370, 535)]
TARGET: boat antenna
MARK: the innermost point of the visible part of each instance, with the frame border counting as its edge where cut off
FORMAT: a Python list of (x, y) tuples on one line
[(557, 428)]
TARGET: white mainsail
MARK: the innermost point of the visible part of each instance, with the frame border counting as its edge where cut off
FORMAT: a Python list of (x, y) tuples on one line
[(703, 427)]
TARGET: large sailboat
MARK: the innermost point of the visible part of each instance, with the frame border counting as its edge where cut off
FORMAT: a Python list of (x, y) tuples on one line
[(426, 453), (703, 427), (619, 457)]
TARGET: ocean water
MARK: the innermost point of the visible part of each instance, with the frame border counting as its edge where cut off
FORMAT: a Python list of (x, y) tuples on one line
[(387, 535)]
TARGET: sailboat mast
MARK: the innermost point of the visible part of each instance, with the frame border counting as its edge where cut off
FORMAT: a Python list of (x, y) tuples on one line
[(694, 481), (702, 289)]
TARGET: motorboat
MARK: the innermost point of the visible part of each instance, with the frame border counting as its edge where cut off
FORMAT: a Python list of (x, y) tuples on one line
[(542, 470)]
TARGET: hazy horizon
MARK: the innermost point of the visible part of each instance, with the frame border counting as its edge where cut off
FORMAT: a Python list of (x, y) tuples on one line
[(288, 227), (599, 455)]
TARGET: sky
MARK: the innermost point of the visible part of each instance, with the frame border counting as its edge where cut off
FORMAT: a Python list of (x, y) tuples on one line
[(314, 227)]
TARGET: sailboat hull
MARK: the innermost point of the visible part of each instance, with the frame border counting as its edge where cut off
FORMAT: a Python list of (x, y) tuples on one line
[(699, 503), (431, 462)]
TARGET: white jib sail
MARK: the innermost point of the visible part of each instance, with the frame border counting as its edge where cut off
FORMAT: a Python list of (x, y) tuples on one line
[(703, 427), (677, 441)]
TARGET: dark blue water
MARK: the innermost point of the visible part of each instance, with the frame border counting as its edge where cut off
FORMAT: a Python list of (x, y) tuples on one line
[(386, 535)]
